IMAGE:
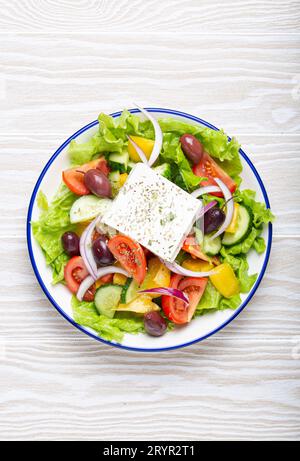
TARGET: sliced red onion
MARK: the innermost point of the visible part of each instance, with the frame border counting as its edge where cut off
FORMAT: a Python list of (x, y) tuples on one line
[(158, 136), (205, 190), (85, 248), (89, 280), (177, 269), (229, 208), (168, 292), (140, 151), (205, 209)]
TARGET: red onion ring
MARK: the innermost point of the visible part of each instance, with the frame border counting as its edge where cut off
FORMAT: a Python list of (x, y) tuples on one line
[(85, 248), (205, 190), (158, 136), (89, 280), (229, 207), (168, 292)]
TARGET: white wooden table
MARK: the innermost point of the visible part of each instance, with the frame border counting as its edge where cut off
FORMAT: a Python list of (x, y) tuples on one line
[(233, 63)]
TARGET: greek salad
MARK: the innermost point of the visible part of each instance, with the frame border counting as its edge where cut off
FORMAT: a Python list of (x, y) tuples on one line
[(150, 226)]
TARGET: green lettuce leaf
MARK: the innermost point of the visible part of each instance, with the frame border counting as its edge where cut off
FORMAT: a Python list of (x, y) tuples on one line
[(230, 303), (181, 171), (216, 143), (210, 299), (259, 245), (110, 329), (53, 222), (245, 245), (110, 137), (261, 214), (240, 266)]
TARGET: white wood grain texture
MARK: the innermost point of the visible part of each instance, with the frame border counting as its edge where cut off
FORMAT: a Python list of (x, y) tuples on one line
[(233, 63), (180, 16), (52, 82), (220, 389)]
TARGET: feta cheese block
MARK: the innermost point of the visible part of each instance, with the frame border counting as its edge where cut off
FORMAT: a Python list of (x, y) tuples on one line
[(153, 211)]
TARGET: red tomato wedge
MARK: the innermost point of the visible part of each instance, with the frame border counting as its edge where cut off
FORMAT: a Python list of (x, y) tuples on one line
[(209, 169), (73, 179), (130, 255), (75, 272), (177, 311), (191, 246)]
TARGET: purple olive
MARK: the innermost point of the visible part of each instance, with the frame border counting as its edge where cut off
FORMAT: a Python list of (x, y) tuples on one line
[(70, 243), (101, 252), (155, 324), (97, 183), (213, 219), (192, 148)]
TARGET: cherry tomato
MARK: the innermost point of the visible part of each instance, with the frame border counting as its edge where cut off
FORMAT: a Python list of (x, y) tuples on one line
[(75, 272), (209, 169), (74, 177), (177, 311), (130, 255)]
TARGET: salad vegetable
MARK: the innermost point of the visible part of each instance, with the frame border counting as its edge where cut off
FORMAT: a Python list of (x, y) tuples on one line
[(118, 284)]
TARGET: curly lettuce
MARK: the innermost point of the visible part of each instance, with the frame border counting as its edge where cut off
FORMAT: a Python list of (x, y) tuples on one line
[(54, 220), (110, 137), (216, 143), (110, 329)]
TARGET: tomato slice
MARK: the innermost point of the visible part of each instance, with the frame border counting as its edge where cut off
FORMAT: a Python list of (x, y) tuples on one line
[(210, 170), (130, 254), (177, 311), (191, 246), (75, 272), (73, 179)]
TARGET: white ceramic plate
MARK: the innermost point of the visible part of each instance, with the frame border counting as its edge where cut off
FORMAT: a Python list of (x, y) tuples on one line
[(201, 327)]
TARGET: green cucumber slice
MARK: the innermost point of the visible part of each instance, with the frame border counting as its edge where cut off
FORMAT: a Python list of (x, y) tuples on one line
[(243, 227), (211, 247), (129, 291), (107, 299), (88, 207)]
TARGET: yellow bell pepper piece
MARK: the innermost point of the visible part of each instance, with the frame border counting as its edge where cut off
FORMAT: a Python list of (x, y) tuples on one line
[(122, 179), (158, 275), (197, 265), (141, 305), (234, 222), (225, 281), (119, 279), (145, 144)]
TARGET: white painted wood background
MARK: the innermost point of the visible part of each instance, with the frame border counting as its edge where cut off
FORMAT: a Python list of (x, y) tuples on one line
[(237, 65)]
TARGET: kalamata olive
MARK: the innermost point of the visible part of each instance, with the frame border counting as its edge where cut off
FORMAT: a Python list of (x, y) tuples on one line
[(97, 183), (101, 253), (70, 243), (213, 219), (191, 147), (155, 324)]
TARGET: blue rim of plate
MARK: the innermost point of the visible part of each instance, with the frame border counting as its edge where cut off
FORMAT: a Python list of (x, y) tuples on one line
[(58, 308)]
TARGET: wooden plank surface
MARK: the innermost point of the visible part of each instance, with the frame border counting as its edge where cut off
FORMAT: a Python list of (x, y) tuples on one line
[(235, 64)]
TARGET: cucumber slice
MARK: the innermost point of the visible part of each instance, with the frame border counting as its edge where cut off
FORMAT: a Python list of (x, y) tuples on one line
[(164, 170), (88, 207), (211, 247), (119, 161), (129, 291), (107, 299), (114, 176), (243, 227)]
